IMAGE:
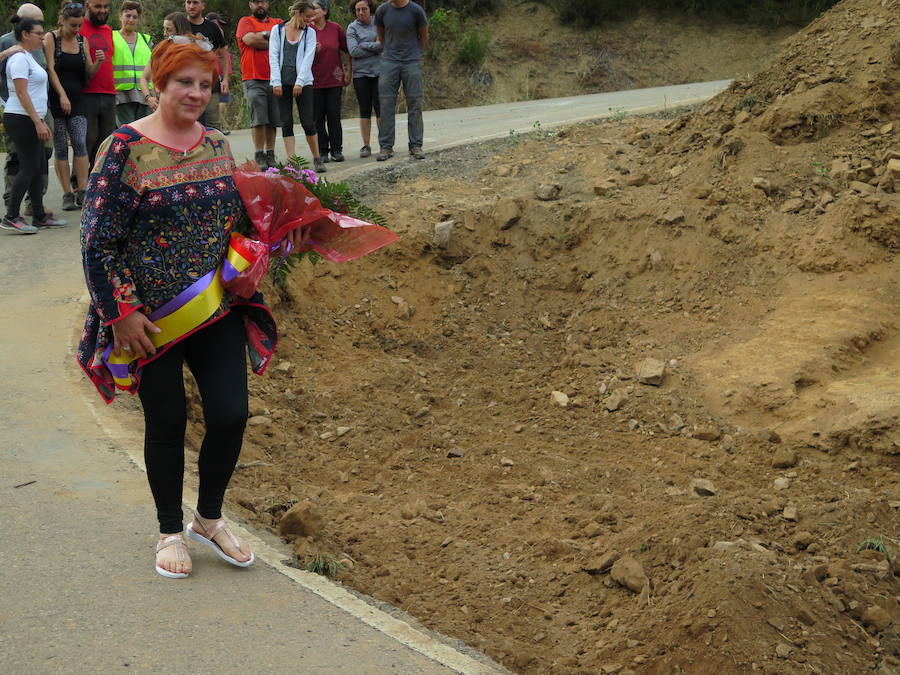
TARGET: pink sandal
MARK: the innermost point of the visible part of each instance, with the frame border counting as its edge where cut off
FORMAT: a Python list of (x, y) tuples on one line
[(208, 536), (181, 555)]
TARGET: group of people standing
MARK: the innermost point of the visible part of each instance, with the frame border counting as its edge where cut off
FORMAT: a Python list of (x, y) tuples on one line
[(82, 79), (308, 60)]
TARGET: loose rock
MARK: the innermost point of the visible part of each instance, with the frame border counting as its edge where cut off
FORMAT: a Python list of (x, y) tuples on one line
[(442, 232), (303, 519), (651, 371), (703, 487), (547, 193), (559, 398), (877, 618), (629, 573), (784, 459)]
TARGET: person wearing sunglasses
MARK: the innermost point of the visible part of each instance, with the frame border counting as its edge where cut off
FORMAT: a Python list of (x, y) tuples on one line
[(160, 207), (174, 23), (99, 94), (70, 66)]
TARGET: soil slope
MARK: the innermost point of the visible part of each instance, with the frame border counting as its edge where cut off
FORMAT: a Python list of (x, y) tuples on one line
[(473, 428)]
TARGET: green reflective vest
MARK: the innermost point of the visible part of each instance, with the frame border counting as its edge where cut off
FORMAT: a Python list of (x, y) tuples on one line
[(128, 67)]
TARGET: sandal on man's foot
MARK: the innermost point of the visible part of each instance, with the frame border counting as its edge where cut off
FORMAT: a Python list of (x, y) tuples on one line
[(181, 555), (208, 538)]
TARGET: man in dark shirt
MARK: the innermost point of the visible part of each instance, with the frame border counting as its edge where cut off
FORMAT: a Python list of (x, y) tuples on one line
[(402, 28), (213, 34)]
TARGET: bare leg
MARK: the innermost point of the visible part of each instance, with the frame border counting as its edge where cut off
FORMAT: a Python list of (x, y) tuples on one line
[(313, 143), (290, 146), (365, 129), (269, 137), (62, 173), (259, 134), (81, 171)]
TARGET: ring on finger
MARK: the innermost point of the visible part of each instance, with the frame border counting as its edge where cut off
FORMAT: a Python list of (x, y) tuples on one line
[(126, 348)]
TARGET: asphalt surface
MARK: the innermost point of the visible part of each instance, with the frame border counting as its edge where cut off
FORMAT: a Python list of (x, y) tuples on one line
[(78, 589)]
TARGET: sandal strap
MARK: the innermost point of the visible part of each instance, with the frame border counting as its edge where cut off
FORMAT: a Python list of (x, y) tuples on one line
[(220, 526), (177, 541)]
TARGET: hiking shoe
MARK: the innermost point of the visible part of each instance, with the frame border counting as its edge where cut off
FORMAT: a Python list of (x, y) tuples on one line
[(384, 154), (270, 158), (319, 165), (416, 153), (69, 202), (17, 225), (49, 222), (79, 198), (337, 156), (365, 151), (325, 157), (260, 158)]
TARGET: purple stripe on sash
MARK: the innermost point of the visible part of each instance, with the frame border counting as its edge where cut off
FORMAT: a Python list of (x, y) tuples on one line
[(184, 297), (229, 271), (118, 370)]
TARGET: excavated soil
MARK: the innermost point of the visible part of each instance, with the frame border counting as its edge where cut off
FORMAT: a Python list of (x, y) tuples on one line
[(476, 427)]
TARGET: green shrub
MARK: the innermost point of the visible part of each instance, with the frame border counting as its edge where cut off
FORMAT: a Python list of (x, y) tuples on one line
[(473, 48)]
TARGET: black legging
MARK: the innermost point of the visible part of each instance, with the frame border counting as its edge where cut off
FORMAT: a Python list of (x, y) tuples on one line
[(328, 119), (32, 165), (304, 108), (366, 89), (216, 356)]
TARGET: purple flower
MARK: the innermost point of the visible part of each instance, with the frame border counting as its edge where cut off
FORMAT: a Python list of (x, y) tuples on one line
[(309, 176), (272, 170)]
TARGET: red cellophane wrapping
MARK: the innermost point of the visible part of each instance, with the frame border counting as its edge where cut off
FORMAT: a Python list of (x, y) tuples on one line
[(277, 205)]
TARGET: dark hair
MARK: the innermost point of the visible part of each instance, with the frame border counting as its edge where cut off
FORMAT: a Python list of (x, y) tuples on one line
[(371, 3), (131, 4), (21, 25), (71, 10), (180, 23)]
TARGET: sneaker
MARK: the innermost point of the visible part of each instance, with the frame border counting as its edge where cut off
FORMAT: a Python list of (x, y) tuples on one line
[(416, 153), (79, 198), (68, 203), (384, 154), (319, 165), (337, 156), (365, 151), (270, 158), (49, 222), (325, 158), (17, 225), (260, 158)]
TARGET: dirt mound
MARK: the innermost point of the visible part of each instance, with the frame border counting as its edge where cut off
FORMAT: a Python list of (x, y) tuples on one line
[(638, 411)]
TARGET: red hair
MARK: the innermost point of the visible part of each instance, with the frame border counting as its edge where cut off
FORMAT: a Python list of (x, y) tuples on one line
[(169, 57)]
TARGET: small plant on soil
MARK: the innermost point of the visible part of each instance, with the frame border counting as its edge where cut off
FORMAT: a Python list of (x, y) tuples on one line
[(747, 102), (876, 544), (618, 114), (327, 565)]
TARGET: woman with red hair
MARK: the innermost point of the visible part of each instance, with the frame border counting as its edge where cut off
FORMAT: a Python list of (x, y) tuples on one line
[(159, 209)]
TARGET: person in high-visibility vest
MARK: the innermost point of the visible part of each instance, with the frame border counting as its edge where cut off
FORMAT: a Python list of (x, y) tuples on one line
[(131, 54)]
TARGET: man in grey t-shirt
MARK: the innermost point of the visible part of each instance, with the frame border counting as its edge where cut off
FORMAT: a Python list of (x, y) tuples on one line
[(402, 28)]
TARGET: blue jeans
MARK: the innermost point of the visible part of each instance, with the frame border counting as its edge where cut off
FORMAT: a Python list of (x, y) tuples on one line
[(392, 75)]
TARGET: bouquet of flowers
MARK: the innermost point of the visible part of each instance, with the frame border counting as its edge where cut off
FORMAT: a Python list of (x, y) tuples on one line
[(334, 225)]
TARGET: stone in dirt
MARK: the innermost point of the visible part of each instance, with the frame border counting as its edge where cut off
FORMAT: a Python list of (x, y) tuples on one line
[(703, 487), (507, 213), (454, 453), (259, 421), (790, 513), (877, 618), (651, 371), (601, 564), (792, 205), (547, 192), (782, 483), (442, 232), (629, 573), (784, 459), (862, 188), (604, 187), (674, 216), (559, 398), (303, 519), (802, 540), (709, 434), (615, 400), (783, 651)]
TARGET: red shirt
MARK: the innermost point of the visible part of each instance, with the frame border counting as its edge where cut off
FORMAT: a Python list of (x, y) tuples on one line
[(99, 37), (326, 69), (254, 62)]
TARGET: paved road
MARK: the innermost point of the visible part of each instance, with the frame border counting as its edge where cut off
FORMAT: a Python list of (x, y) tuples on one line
[(77, 587)]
